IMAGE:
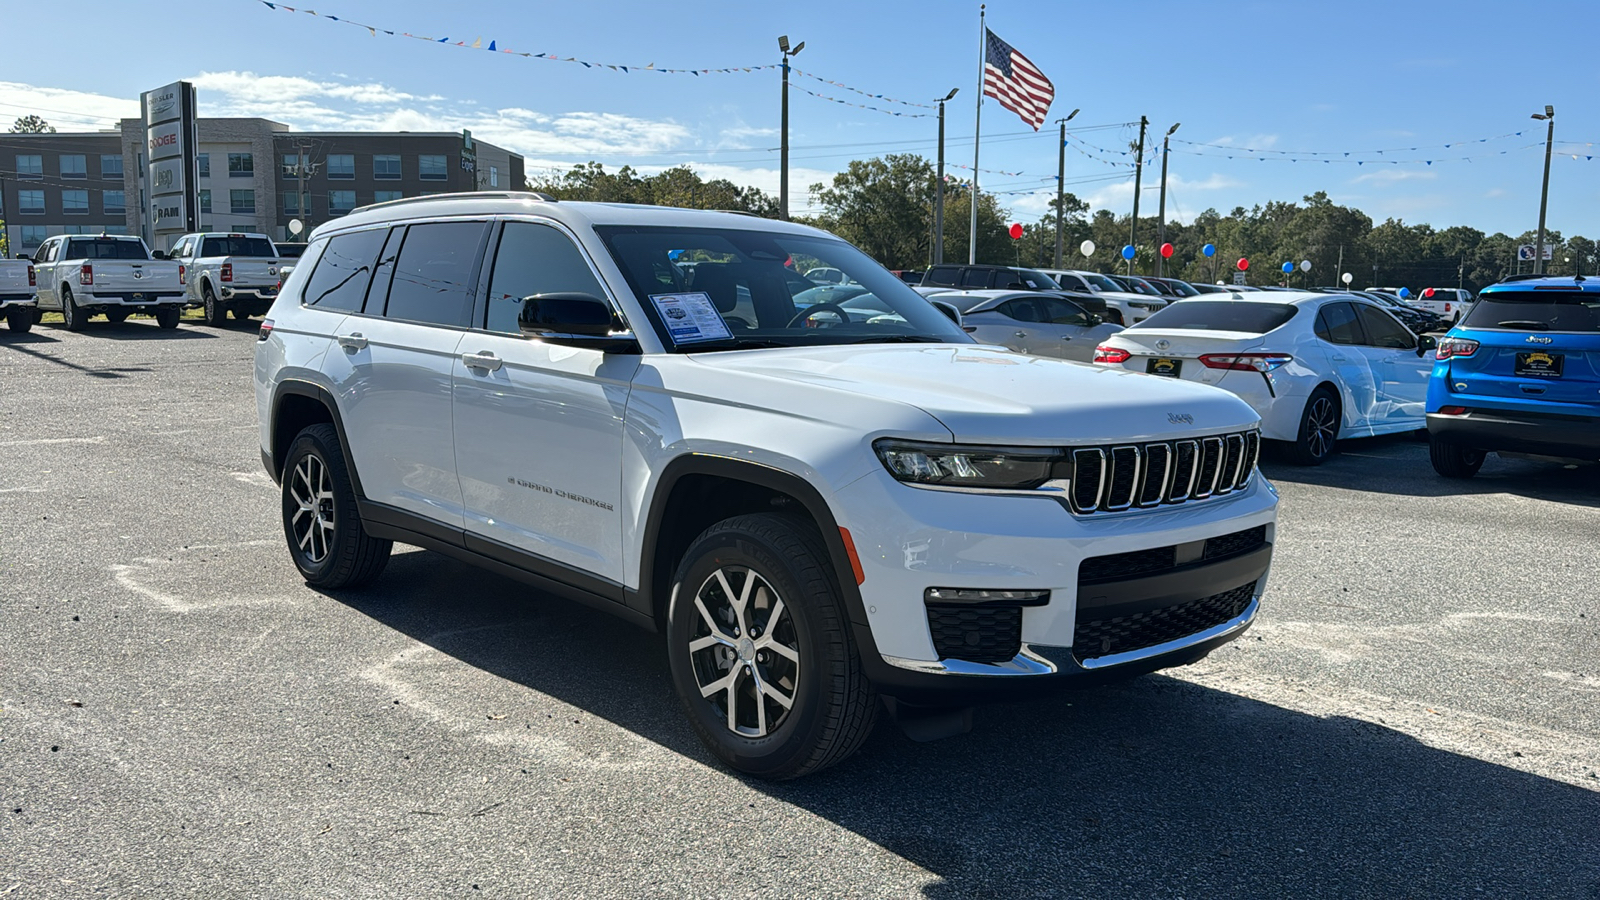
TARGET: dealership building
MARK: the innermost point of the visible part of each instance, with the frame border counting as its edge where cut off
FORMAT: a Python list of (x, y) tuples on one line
[(252, 175)]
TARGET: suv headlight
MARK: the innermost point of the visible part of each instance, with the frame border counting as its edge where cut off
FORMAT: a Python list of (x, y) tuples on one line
[(956, 465)]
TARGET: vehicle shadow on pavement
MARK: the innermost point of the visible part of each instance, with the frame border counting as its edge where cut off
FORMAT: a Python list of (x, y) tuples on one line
[(1157, 787), (30, 337), (1399, 465), (142, 331), (115, 372)]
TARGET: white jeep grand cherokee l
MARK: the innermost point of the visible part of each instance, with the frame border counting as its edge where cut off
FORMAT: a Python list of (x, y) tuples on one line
[(819, 508)]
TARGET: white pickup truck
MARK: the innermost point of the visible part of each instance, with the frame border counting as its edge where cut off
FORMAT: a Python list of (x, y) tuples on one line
[(223, 272), (82, 275), (16, 293)]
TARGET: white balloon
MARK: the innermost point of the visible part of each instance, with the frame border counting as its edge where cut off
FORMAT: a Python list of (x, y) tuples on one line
[(1305, 265), (1347, 278), (1087, 248)]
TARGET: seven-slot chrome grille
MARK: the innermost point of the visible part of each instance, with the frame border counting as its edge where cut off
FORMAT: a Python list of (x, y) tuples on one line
[(1161, 473)]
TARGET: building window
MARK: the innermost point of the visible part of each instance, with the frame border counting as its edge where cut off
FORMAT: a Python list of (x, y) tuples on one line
[(75, 203), (205, 200), (242, 203), (494, 176), (74, 165), (30, 166), (386, 167), (386, 196), (30, 202), (242, 165), (115, 203), (291, 165), (111, 166), (433, 168), (205, 165), (33, 235), (78, 229), (341, 166), (115, 229), (291, 202), (341, 202)]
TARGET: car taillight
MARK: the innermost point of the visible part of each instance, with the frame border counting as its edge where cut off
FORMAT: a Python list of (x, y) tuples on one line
[(1111, 355), (227, 271), (33, 280), (266, 330), (1451, 347), (1447, 307), (183, 274), (86, 274), (1452, 410), (1247, 362)]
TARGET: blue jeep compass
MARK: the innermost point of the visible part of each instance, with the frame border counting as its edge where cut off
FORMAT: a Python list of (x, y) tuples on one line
[(1520, 374)]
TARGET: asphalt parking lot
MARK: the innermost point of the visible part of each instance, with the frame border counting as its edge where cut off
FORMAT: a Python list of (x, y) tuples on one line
[(1417, 713)]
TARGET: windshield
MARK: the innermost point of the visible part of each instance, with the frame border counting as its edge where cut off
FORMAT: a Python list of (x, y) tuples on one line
[(1181, 288), (237, 245), (1031, 278), (720, 289), (1537, 310), (1102, 283), (1248, 316), (104, 248)]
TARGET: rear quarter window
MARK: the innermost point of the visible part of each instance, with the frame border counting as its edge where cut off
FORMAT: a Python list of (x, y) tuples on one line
[(344, 270), (1535, 310)]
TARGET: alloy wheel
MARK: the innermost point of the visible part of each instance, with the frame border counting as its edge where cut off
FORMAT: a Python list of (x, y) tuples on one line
[(1323, 427), (745, 651), (312, 491)]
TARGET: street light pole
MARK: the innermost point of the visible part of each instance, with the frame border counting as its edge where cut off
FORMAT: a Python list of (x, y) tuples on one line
[(1161, 240), (938, 188), (1544, 193), (1061, 182), (1138, 178), (783, 153)]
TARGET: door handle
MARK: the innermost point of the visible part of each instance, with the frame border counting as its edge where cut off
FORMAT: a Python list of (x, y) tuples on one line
[(1022, 334), (353, 342), (486, 361), (1338, 359)]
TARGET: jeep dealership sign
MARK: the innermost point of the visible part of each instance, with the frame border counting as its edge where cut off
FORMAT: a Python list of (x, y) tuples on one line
[(172, 163)]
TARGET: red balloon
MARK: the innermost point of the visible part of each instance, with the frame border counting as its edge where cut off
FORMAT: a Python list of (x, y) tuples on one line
[(1428, 292), (1016, 231), (1166, 251), (1243, 264)]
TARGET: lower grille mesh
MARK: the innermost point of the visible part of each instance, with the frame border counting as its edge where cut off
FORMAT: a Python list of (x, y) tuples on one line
[(1103, 637), (978, 633)]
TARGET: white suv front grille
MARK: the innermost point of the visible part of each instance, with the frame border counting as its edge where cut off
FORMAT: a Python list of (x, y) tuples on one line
[(1162, 473)]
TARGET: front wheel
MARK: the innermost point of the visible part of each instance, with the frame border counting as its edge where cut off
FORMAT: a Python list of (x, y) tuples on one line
[(1319, 429), (71, 316), (20, 319), (1452, 460), (167, 316), (761, 651), (329, 544)]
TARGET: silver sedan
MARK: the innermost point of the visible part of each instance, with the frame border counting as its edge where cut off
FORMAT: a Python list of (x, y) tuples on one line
[(1036, 322)]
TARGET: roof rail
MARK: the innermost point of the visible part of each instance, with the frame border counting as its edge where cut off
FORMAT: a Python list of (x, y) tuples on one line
[(466, 195), (1524, 277)]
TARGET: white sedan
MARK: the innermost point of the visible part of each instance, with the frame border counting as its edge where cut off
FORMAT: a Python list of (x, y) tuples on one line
[(1317, 367)]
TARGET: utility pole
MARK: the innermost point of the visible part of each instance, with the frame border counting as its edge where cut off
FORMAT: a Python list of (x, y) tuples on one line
[(1338, 270), (938, 189), (1061, 182), (783, 162), (1161, 240), (1138, 178), (300, 170), (1544, 193)]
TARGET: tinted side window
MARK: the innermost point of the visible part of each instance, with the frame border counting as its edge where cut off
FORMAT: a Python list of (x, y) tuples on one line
[(1383, 331), (1336, 324), (1023, 310), (340, 280), (1061, 312), (534, 259), (943, 275), (433, 276), (975, 278)]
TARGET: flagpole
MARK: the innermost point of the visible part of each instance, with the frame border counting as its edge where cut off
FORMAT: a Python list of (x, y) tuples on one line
[(977, 133)]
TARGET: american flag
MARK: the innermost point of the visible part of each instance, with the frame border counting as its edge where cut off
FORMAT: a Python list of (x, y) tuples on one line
[(1017, 83)]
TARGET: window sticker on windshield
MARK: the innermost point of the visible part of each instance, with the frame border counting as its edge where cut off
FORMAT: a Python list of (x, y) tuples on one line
[(691, 317)]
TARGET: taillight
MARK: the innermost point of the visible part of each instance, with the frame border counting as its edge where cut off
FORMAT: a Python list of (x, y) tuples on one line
[(33, 280), (1447, 307), (1246, 362), (1453, 346), (183, 274), (1452, 410), (266, 330), (1111, 355), (227, 271)]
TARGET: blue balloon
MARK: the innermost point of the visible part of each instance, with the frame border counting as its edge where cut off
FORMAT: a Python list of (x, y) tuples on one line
[(1287, 268), (1127, 251), (674, 254), (1404, 293), (1209, 250)]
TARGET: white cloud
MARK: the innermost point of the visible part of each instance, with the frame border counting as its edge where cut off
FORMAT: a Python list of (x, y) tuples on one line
[(1119, 197), (1253, 142), (66, 110), (250, 87), (1392, 176)]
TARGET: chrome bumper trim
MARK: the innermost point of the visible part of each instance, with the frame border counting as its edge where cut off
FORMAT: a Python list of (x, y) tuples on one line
[(1237, 623)]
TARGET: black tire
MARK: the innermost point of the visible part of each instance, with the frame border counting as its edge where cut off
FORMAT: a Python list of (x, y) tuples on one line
[(216, 314), (332, 550), (38, 315), (20, 319), (167, 316), (1452, 460), (71, 316), (240, 314), (832, 707), (117, 316), (1318, 437)]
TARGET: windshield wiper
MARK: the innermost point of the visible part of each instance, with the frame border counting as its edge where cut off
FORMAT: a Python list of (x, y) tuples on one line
[(739, 343), (900, 339), (1524, 325)]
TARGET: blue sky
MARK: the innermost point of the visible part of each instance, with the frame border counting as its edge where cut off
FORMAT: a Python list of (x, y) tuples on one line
[(1295, 78)]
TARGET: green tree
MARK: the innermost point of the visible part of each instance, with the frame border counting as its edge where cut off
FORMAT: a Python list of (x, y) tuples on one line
[(32, 125), (679, 186), (884, 206)]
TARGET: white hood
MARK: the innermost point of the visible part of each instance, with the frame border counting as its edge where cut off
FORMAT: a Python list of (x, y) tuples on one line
[(993, 396)]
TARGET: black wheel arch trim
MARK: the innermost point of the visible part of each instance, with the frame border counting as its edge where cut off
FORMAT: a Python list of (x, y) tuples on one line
[(299, 388)]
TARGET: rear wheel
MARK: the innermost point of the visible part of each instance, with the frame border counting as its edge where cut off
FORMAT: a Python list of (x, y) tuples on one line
[(116, 315), (71, 316), (326, 538), (20, 319), (240, 314), (167, 316), (761, 651), (1319, 429), (1452, 460), (216, 313)]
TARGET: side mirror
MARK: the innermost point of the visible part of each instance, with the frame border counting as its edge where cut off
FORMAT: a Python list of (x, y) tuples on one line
[(948, 309), (1096, 320), (158, 254), (573, 319), (1426, 343)]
